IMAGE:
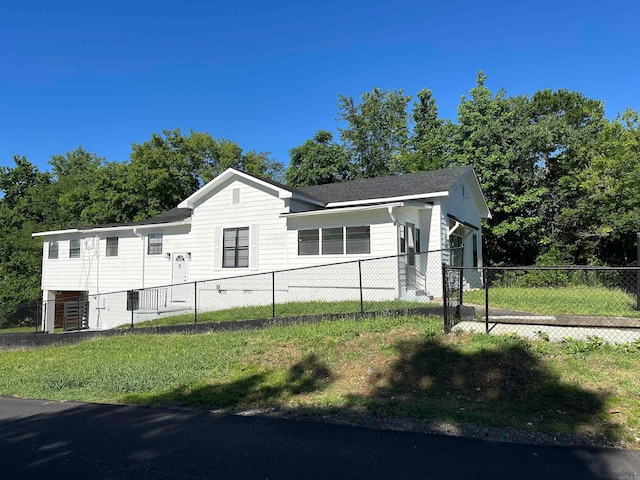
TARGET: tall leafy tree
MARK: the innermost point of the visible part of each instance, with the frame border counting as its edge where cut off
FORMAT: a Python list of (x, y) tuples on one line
[(604, 217), (318, 161), (489, 133), (169, 167), (27, 205), (376, 132), (563, 127), (429, 143), (75, 175)]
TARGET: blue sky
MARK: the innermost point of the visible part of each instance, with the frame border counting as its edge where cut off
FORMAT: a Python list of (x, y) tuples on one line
[(106, 74)]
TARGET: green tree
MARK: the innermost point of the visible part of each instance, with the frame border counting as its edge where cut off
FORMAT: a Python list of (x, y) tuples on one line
[(562, 130), (318, 161), (27, 205), (376, 132), (429, 142), (488, 136), (169, 167), (604, 217), (75, 175)]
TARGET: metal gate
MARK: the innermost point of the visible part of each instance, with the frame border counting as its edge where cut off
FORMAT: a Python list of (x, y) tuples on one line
[(451, 295), (76, 316)]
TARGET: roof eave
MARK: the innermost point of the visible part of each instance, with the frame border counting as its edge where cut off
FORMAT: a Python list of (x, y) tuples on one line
[(231, 172), (368, 201), (120, 228), (328, 211)]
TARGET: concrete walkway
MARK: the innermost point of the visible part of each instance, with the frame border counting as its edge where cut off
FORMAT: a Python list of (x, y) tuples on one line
[(40, 439), (556, 334)]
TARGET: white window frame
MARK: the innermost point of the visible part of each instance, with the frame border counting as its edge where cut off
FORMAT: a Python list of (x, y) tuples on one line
[(110, 248), (316, 240), (152, 246), (74, 251), (54, 250), (236, 247), (347, 246)]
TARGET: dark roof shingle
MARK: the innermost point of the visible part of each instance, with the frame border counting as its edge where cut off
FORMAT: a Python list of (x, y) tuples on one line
[(387, 187), (173, 215)]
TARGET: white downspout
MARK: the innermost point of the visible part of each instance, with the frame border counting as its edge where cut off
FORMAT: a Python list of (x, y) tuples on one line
[(141, 237)]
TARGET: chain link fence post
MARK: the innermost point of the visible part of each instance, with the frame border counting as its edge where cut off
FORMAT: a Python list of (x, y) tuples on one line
[(445, 299), (360, 280), (485, 276), (195, 303)]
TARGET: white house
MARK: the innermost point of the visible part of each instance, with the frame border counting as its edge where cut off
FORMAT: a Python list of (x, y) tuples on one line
[(238, 225)]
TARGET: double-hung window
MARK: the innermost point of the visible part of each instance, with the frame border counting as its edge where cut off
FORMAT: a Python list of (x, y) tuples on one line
[(235, 247), (53, 249), (74, 248), (154, 246), (112, 246)]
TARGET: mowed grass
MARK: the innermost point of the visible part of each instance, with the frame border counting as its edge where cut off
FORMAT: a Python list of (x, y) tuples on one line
[(387, 366), (21, 329), (571, 300), (292, 309)]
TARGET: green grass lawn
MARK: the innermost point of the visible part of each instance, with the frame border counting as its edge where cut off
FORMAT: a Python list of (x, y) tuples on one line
[(292, 309), (386, 366), (31, 329), (572, 300)]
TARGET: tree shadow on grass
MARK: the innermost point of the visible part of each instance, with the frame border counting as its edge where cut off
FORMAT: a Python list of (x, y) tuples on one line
[(253, 390), (504, 384)]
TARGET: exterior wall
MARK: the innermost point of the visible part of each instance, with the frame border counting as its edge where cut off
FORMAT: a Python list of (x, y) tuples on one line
[(340, 282), (462, 203), (257, 209)]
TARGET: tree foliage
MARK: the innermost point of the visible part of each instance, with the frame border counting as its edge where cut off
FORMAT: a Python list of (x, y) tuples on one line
[(85, 189), (376, 132), (318, 161), (561, 181)]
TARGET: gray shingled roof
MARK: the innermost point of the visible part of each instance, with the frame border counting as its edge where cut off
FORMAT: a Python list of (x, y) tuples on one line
[(355, 190), (173, 215), (387, 187)]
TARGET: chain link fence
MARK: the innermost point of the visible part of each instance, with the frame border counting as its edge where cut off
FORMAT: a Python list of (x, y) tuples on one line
[(383, 284), (23, 317), (577, 303)]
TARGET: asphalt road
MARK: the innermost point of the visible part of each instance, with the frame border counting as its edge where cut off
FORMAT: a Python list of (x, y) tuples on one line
[(40, 439)]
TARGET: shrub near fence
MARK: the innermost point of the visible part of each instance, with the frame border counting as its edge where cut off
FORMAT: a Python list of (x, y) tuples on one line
[(558, 302), (24, 317)]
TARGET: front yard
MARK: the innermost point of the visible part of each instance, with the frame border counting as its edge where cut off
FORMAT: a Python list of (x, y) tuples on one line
[(386, 367)]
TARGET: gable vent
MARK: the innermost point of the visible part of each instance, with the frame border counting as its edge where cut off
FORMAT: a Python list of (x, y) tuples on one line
[(235, 196)]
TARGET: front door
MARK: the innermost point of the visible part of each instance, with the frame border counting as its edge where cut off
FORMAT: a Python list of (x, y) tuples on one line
[(411, 244), (179, 275)]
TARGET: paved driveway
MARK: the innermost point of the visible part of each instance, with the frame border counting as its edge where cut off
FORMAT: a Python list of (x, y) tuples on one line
[(40, 439)]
